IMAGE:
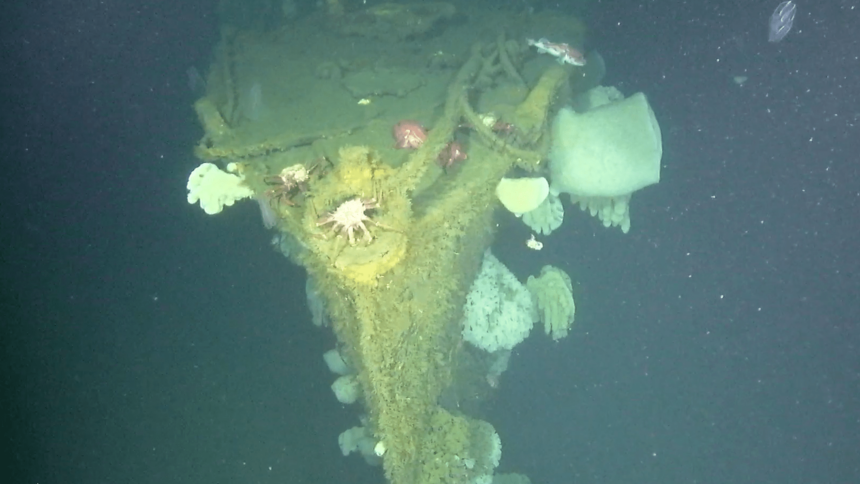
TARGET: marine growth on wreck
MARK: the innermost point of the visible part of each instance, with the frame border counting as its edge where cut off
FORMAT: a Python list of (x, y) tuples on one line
[(382, 143)]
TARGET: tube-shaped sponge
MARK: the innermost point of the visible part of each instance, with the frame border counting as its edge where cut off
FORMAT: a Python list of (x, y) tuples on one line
[(553, 293), (610, 151), (546, 217)]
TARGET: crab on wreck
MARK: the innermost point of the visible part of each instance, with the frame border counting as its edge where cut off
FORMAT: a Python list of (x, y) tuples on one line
[(349, 218), (289, 181)]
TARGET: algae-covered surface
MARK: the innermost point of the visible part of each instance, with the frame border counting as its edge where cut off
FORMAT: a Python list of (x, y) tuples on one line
[(317, 93)]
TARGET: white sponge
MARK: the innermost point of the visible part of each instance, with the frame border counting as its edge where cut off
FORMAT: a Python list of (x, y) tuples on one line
[(499, 311), (359, 439), (346, 389), (521, 195), (215, 189), (335, 362), (613, 150)]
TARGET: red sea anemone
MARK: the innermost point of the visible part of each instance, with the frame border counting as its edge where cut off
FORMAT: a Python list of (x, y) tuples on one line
[(409, 134), (450, 154)]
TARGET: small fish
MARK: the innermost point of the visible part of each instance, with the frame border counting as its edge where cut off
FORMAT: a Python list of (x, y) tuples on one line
[(563, 52)]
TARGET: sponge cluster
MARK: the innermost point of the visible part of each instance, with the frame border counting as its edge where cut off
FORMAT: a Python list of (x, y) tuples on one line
[(499, 311), (359, 439), (603, 155), (547, 217)]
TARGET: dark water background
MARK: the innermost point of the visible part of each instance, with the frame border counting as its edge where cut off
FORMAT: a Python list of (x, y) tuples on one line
[(717, 342)]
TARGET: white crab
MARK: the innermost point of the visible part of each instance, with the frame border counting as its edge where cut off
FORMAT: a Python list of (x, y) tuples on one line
[(349, 217)]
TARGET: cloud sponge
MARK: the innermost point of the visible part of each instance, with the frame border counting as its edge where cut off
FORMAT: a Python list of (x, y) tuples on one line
[(215, 189), (499, 312)]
